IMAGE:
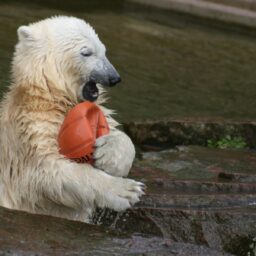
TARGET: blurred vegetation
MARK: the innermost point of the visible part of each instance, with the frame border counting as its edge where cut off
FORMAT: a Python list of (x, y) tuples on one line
[(228, 142)]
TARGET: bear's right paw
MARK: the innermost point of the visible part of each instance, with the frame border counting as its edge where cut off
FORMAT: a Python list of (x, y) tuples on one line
[(120, 194)]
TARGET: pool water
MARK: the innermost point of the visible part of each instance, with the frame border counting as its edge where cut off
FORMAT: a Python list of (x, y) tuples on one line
[(171, 65)]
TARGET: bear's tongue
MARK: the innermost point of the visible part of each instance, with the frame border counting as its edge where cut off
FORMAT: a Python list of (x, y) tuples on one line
[(90, 91)]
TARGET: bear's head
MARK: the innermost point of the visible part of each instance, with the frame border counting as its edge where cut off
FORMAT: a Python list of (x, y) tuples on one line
[(63, 53)]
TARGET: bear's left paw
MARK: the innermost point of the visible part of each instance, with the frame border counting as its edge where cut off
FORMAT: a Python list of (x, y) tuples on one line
[(114, 153), (118, 193)]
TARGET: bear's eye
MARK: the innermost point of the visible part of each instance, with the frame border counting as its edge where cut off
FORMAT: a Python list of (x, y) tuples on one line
[(85, 52)]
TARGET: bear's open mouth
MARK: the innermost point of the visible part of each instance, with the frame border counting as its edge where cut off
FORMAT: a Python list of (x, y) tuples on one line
[(90, 91)]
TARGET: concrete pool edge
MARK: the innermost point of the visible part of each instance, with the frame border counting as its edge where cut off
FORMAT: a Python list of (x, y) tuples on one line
[(205, 9)]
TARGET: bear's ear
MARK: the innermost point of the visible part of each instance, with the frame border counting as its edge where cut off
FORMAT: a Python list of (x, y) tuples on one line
[(24, 33)]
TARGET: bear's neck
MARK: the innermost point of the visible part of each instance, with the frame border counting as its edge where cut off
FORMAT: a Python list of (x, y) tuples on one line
[(37, 99)]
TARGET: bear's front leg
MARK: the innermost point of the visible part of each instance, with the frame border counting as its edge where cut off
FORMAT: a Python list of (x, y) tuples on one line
[(114, 153), (79, 188)]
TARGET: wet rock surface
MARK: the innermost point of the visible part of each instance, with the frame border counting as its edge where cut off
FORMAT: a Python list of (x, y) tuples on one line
[(199, 202), (198, 196), (27, 234)]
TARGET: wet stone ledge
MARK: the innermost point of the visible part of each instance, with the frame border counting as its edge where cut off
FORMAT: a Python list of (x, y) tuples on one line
[(169, 133), (195, 195), (34, 235)]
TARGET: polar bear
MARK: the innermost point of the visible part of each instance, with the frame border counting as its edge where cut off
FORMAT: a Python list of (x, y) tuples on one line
[(59, 62)]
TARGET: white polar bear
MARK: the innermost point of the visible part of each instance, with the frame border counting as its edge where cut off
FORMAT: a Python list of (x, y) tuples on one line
[(57, 64)]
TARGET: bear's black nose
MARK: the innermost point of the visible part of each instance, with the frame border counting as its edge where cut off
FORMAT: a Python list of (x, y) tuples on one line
[(114, 80)]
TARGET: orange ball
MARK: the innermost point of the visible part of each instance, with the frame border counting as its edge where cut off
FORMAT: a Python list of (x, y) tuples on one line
[(82, 126)]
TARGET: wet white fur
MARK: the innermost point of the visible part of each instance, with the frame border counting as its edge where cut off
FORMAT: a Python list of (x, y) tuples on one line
[(48, 73)]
